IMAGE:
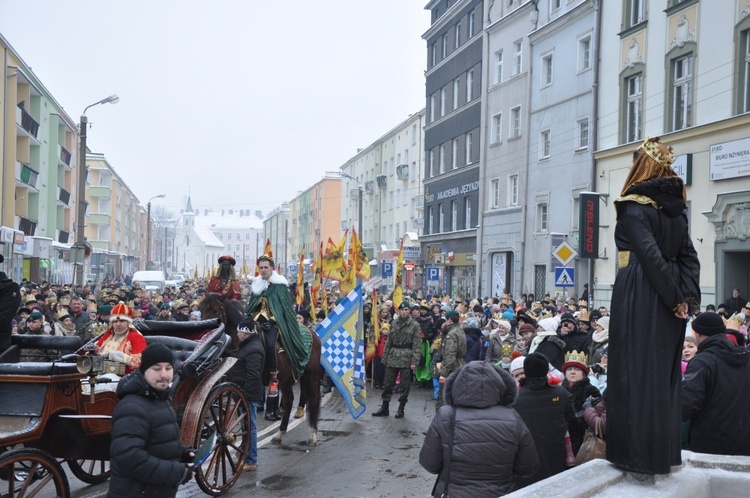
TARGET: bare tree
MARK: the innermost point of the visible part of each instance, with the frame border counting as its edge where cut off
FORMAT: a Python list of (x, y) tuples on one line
[(165, 224)]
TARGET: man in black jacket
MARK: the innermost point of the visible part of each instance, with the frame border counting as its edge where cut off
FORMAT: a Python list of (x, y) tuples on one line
[(247, 372), (146, 456), (716, 391), (10, 301)]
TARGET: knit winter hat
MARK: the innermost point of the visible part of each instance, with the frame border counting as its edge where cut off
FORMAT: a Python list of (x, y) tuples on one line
[(516, 366), (156, 353), (35, 316), (708, 324), (603, 322), (536, 365), (526, 327)]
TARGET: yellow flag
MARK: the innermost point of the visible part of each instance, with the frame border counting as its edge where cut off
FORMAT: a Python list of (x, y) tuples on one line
[(398, 291), (300, 292), (349, 282), (358, 257), (317, 276), (334, 264)]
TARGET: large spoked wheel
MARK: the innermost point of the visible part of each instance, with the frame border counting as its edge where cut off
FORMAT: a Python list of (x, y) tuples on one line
[(90, 471), (225, 412), (28, 472)]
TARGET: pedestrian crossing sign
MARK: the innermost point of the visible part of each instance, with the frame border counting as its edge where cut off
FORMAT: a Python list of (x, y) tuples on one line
[(564, 277)]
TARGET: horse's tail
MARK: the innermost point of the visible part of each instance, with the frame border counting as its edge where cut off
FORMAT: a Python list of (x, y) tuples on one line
[(311, 380)]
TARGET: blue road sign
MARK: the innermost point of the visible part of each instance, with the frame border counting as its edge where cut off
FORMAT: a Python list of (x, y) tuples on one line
[(433, 273), (564, 277), (386, 269)]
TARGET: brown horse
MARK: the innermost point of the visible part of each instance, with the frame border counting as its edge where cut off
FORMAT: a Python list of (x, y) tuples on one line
[(231, 314)]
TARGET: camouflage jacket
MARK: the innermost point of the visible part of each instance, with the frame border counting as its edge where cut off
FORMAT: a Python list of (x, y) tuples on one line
[(454, 350), (403, 346)]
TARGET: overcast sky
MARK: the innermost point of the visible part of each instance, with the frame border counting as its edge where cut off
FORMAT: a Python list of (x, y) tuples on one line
[(244, 102)]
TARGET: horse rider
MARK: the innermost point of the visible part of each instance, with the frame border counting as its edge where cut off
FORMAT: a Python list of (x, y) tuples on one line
[(224, 282)]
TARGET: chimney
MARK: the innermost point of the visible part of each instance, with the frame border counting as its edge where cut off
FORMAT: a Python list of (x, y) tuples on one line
[(259, 214), (231, 211), (222, 212), (242, 212), (205, 212)]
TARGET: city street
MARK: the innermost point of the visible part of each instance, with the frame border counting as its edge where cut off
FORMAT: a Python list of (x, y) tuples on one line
[(366, 457)]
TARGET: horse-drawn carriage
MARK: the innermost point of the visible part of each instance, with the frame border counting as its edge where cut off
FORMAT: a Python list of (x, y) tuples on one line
[(60, 411)]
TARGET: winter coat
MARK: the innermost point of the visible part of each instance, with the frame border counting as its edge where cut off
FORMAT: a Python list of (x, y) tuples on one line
[(146, 455), (404, 345), (716, 398), (426, 327), (553, 348), (473, 344), (580, 391), (453, 350), (597, 412), (546, 410), (248, 370), (578, 340), (10, 301), (660, 271), (495, 347), (491, 444)]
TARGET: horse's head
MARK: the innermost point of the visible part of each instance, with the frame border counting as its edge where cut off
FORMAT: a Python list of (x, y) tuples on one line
[(211, 306)]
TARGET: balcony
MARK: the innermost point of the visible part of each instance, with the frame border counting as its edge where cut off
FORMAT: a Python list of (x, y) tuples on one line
[(369, 187), (26, 176), (382, 181), (28, 126), (63, 196), (402, 171), (354, 193), (99, 219), (63, 156), (27, 226), (63, 236), (344, 224), (100, 191)]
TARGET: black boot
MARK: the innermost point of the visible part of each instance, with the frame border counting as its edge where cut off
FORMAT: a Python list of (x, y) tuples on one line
[(272, 409), (400, 411), (383, 412)]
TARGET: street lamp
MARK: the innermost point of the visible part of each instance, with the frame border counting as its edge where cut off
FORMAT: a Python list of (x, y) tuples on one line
[(359, 207), (148, 227), (80, 245)]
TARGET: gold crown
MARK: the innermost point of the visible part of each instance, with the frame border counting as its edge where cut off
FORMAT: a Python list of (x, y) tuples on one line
[(576, 357), (734, 322), (651, 146), (583, 303), (583, 316)]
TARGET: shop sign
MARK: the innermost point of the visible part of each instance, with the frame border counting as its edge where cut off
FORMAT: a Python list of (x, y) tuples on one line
[(730, 159)]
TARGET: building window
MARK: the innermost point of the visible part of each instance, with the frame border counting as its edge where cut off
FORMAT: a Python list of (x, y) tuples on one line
[(471, 24), (454, 155), (583, 134), (554, 5), (742, 67), (443, 97), (454, 215), (432, 163), (468, 145), (512, 190), (247, 236), (467, 212), (458, 35), (428, 226), (682, 92), (517, 57), (547, 70), (441, 218), (584, 53), (633, 107), (456, 88), (544, 144), (433, 104), (469, 85), (414, 134), (445, 46), (515, 122), (499, 67), (442, 159), (635, 12), (433, 54), (541, 217), (497, 128), (494, 194)]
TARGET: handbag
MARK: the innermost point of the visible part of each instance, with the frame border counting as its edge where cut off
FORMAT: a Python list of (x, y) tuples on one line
[(593, 446), (448, 459)]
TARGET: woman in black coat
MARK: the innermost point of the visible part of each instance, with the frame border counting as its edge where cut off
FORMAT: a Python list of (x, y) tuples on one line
[(658, 276), (491, 444), (578, 384)]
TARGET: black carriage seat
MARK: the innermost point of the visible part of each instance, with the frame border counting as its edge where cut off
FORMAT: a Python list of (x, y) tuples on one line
[(164, 328), (10, 360), (182, 348), (38, 368), (64, 344), (194, 357)]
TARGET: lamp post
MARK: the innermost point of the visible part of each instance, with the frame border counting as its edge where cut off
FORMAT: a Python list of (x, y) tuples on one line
[(80, 245), (148, 227), (359, 206)]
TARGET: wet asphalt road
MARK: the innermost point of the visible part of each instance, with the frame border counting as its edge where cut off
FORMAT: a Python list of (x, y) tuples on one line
[(368, 457)]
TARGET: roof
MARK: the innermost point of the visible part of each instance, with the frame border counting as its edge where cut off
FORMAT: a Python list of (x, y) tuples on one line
[(215, 221)]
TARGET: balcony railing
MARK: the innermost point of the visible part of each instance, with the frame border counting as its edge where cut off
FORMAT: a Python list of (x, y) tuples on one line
[(369, 187), (28, 123), (63, 236), (354, 193), (344, 224), (382, 181), (402, 171), (64, 155), (100, 191), (26, 174), (63, 196), (99, 219), (27, 226)]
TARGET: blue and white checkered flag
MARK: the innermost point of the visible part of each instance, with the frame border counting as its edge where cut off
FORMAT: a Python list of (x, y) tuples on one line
[(343, 352)]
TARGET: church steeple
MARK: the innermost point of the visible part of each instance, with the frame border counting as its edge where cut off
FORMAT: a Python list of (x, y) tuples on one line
[(189, 207)]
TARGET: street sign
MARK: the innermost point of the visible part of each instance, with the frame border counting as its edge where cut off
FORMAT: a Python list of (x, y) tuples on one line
[(433, 273), (371, 284), (386, 269), (564, 253), (564, 277)]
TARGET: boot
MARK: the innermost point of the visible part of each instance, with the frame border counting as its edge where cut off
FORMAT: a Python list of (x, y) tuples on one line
[(383, 412), (400, 411), (272, 409)]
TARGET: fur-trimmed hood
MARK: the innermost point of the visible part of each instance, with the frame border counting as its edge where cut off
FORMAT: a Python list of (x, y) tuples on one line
[(259, 285)]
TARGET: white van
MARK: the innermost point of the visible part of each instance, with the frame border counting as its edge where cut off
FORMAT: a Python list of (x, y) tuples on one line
[(150, 280)]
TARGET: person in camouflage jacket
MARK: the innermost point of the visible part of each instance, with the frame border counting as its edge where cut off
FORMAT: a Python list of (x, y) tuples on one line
[(453, 352), (401, 355)]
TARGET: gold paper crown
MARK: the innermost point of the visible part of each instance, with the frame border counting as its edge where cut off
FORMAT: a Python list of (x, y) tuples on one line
[(747, 306), (583, 316), (651, 146), (545, 314), (583, 303), (734, 322), (576, 357), (507, 349)]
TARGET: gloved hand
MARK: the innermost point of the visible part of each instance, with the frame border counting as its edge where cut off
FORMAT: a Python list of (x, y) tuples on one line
[(588, 403), (188, 474), (118, 356), (188, 454)]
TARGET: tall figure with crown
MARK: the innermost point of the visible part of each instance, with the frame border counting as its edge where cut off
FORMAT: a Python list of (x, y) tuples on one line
[(224, 282), (657, 282)]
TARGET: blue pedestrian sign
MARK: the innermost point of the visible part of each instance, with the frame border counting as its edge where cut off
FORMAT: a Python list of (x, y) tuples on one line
[(564, 277), (433, 273), (386, 269)]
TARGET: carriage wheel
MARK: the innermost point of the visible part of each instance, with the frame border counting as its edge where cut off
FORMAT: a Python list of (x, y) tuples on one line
[(90, 471), (27, 472), (226, 413)]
